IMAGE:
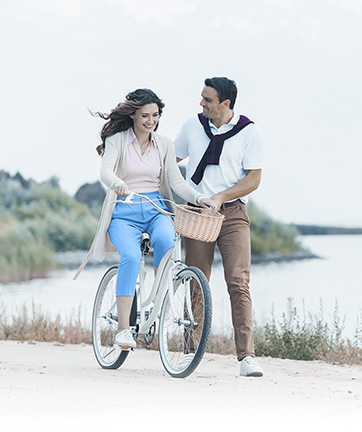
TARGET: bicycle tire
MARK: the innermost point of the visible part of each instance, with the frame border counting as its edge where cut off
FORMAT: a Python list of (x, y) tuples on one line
[(187, 333), (104, 322)]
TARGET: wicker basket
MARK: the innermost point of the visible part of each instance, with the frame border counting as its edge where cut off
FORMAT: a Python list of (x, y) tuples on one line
[(198, 224)]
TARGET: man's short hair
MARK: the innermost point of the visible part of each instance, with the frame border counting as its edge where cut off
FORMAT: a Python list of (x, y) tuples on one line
[(225, 87)]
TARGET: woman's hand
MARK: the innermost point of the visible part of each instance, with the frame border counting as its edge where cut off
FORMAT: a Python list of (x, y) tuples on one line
[(121, 190), (207, 203)]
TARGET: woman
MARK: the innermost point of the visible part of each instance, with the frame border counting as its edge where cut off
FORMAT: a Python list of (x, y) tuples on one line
[(136, 159)]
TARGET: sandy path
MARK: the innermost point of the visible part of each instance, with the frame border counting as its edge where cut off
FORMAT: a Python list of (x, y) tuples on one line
[(54, 387)]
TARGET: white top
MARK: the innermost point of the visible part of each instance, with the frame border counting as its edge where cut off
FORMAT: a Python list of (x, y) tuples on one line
[(240, 153), (141, 172)]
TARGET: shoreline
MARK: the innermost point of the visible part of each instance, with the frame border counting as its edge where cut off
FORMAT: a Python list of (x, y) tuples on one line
[(73, 259)]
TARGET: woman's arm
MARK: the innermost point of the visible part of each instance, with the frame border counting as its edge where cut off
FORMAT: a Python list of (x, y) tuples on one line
[(109, 162)]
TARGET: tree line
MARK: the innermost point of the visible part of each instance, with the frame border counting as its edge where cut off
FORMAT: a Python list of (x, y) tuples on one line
[(38, 219)]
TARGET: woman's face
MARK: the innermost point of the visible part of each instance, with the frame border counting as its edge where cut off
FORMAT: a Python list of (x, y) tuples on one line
[(145, 119)]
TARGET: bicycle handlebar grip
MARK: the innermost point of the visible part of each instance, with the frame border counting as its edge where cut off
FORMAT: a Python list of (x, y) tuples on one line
[(129, 197)]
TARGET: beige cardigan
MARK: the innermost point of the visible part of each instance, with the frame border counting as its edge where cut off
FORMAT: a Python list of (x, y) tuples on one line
[(111, 175)]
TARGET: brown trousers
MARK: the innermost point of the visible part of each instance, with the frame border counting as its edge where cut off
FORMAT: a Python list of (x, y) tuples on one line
[(234, 246)]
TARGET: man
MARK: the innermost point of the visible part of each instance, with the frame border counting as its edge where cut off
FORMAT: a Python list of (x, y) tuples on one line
[(224, 151)]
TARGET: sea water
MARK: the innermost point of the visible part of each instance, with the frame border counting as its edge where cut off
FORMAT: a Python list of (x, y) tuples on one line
[(333, 279)]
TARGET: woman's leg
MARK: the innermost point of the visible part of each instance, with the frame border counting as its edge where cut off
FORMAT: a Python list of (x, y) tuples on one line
[(124, 306), (162, 235), (126, 239)]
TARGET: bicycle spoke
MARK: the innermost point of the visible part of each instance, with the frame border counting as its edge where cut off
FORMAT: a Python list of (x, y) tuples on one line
[(186, 333), (104, 323), (110, 352)]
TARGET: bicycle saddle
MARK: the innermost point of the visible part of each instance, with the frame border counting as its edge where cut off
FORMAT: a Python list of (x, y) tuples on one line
[(145, 243)]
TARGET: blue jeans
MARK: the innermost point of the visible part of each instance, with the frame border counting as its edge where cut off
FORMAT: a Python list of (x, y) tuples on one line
[(127, 224)]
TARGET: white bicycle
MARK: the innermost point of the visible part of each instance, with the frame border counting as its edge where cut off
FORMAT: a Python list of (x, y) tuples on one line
[(179, 300)]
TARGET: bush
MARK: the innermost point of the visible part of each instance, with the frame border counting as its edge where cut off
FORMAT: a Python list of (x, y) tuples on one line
[(307, 339), (65, 231), (50, 215), (51, 220), (292, 337), (268, 235), (36, 220), (38, 326), (22, 254)]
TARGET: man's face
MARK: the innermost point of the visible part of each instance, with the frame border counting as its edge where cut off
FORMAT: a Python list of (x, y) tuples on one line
[(212, 108)]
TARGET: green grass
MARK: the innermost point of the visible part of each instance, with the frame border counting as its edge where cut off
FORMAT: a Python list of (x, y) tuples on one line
[(300, 337), (308, 337), (305, 337)]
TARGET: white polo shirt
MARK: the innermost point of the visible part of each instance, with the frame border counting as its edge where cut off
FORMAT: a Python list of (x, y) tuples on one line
[(241, 152)]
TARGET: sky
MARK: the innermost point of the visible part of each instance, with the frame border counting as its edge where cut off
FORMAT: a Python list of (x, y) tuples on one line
[(297, 64)]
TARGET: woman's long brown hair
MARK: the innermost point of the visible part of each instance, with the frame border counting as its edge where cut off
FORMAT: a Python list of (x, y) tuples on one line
[(119, 118)]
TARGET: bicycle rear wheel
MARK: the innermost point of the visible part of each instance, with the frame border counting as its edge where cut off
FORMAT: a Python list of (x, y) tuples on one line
[(184, 330), (105, 322)]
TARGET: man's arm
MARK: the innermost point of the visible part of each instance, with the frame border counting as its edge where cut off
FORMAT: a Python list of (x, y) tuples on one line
[(178, 159), (243, 187)]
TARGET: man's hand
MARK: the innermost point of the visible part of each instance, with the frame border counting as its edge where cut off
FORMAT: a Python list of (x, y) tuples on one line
[(218, 200), (243, 187)]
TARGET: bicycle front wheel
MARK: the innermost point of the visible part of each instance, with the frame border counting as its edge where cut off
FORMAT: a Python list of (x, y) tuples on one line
[(185, 325), (105, 322)]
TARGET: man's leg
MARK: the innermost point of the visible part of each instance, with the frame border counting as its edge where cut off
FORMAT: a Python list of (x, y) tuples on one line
[(199, 254), (234, 245)]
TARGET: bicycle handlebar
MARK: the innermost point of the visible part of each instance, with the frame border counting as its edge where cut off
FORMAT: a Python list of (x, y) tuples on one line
[(131, 195)]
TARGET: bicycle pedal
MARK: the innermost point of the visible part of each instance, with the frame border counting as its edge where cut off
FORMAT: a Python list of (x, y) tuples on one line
[(119, 348), (126, 348)]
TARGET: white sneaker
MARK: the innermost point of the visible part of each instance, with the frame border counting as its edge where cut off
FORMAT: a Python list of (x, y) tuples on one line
[(250, 367), (124, 339), (186, 360)]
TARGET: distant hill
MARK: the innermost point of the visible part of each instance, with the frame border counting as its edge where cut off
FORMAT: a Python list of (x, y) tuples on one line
[(325, 230)]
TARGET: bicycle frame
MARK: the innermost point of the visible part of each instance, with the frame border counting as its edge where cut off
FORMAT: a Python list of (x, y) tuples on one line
[(183, 325), (150, 307), (171, 263)]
